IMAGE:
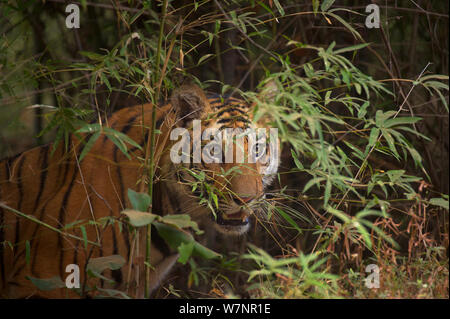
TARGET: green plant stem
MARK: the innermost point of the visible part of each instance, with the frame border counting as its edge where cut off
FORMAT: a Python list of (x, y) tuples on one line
[(37, 221), (152, 148)]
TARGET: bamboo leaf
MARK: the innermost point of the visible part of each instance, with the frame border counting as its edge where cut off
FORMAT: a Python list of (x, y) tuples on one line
[(48, 283), (139, 201), (439, 202)]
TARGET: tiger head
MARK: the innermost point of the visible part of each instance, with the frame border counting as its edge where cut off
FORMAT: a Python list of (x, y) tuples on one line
[(220, 187)]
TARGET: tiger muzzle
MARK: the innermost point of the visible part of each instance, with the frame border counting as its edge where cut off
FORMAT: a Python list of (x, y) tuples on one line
[(239, 218)]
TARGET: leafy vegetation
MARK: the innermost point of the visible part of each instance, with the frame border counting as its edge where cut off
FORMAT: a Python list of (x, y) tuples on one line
[(362, 115)]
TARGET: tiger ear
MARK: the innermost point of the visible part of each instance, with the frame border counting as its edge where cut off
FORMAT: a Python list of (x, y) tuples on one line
[(189, 102)]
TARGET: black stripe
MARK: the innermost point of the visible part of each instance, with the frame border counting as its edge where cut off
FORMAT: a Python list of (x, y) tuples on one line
[(214, 98), (129, 124), (159, 122), (19, 207), (8, 161), (100, 254), (147, 133), (61, 219), (115, 249), (174, 201), (134, 148), (228, 120), (116, 274), (122, 199), (233, 119), (228, 102), (43, 177), (230, 109), (35, 242), (75, 253), (126, 239)]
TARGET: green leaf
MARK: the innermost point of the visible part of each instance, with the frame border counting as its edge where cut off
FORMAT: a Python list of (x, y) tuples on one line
[(374, 133), (311, 182), (326, 4), (327, 97), (395, 174), (390, 141), (358, 88), (351, 48), (181, 221), (364, 233), (296, 160), (315, 4), (215, 199), (279, 7), (106, 81), (90, 128), (89, 145), (217, 27), (93, 56), (185, 250), (416, 156), (345, 23), (47, 284), (363, 110), (139, 201), (401, 120), (111, 293), (338, 213), (84, 234), (120, 145), (175, 237), (138, 218), (203, 58), (210, 38), (120, 136), (288, 219), (438, 201), (97, 265), (327, 192), (381, 117)]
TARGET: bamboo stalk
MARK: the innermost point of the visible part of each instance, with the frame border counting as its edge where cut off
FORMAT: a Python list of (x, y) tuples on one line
[(152, 148)]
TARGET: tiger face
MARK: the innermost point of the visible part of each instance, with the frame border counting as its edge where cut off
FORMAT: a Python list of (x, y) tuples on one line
[(228, 163)]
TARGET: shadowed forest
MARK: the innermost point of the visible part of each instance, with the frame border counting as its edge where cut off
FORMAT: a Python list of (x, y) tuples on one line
[(359, 97)]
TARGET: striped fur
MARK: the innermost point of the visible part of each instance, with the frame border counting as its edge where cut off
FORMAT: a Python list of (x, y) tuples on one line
[(59, 190)]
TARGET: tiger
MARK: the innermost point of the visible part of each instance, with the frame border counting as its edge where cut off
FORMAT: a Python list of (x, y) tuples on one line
[(53, 186)]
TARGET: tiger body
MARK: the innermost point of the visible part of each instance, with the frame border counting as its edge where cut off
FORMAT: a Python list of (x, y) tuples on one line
[(60, 190)]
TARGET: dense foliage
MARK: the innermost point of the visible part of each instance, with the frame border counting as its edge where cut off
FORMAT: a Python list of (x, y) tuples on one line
[(362, 115)]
